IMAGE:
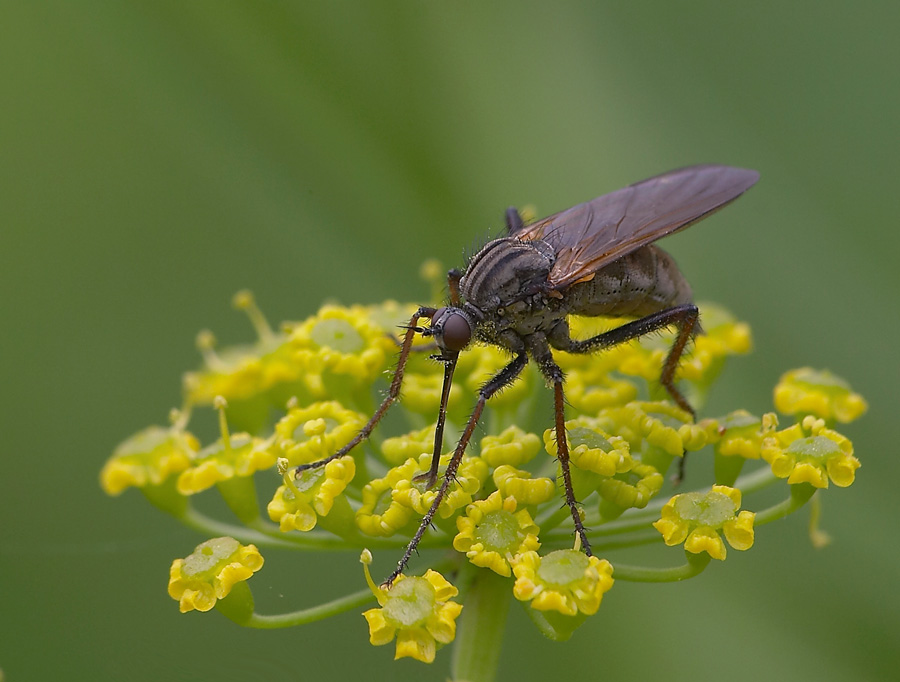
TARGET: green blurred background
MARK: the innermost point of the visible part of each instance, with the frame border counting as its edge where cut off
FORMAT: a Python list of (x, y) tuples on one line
[(156, 157)]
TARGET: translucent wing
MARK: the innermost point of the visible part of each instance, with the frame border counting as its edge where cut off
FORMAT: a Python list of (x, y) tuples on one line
[(588, 236)]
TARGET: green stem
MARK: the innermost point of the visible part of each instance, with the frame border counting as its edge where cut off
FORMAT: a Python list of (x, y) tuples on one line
[(642, 536), (638, 519), (756, 480), (476, 651), (212, 527), (238, 607), (265, 534), (641, 574), (800, 495), (313, 614)]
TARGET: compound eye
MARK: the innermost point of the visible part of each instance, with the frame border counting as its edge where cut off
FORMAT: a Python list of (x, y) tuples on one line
[(452, 330)]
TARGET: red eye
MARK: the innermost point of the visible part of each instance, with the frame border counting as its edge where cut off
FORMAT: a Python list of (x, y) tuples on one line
[(452, 329)]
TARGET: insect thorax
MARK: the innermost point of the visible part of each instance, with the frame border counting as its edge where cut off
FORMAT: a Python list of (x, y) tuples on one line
[(506, 285), (506, 270)]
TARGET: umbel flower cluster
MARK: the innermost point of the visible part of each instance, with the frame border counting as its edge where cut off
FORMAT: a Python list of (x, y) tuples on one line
[(300, 393)]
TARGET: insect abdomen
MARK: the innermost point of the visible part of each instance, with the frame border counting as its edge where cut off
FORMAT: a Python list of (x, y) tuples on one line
[(640, 283)]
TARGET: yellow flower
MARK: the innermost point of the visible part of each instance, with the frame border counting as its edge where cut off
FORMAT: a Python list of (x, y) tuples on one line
[(208, 574), (566, 581), (740, 434), (492, 532), (592, 449), (338, 351), (479, 363), (511, 446), (592, 389), (299, 502), (242, 372), (306, 434), (661, 424), (810, 453), (703, 360), (417, 611), (517, 483), (380, 514), (398, 449), (238, 456), (695, 519), (390, 318), (469, 478), (422, 394), (819, 393), (597, 364), (723, 336), (149, 457), (632, 489)]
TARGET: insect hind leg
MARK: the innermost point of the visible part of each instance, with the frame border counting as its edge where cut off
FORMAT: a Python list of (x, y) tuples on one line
[(685, 317)]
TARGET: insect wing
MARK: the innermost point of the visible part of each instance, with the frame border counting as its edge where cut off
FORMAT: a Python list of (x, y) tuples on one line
[(593, 234)]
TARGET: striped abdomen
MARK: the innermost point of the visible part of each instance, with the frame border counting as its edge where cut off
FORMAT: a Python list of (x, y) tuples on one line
[(640, 283)]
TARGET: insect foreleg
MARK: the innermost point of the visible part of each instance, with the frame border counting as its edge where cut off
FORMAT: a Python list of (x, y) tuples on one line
[(502, 379), (684, 317), (393, 393)]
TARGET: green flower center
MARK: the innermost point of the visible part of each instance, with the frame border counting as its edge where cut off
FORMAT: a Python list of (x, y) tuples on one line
[(584, 436), (562, 567), (383, 503), (709, 509), (813, 379), (631, 478), (339, 335), (739, 420), (209, 555), (499, 532), (410, 602), (308, 479), (818, 448)]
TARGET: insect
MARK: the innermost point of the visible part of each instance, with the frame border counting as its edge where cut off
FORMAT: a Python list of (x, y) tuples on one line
[(597, 258)]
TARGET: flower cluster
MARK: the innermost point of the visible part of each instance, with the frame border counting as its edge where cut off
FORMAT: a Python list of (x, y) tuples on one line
[(300, 394)]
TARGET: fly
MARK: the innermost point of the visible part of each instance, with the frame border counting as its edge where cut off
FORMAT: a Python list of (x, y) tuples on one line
[(597, 258)]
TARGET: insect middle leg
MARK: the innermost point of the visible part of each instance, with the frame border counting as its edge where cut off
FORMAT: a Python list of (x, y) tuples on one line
[(540, 350), (502, 379), (684, 317)]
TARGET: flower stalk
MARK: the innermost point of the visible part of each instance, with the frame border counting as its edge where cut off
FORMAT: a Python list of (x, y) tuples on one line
[(476, 651)]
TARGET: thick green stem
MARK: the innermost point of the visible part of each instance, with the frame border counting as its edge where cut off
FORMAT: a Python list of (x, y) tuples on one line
[(476, 651)]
